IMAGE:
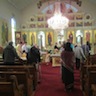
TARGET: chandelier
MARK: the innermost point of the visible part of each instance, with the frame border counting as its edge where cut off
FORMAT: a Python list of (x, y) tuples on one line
[(58, 21)]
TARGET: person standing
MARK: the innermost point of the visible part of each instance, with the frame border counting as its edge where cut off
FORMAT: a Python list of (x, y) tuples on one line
[(24, 47), (9, 54), (47, 57), (19, 49), (33, 57), (85, 50), (67, 61), (89, 45), (79, 55)]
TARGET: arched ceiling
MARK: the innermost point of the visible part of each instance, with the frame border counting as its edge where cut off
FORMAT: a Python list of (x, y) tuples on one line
[(21, 4)]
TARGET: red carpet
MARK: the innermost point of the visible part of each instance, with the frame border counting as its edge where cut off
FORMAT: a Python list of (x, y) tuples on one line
[(51, 83)]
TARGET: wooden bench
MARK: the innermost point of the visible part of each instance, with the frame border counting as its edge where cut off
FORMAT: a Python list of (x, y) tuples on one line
[(22, 77), (11, 88), (88, 79), (17, 62), (31, 69), (84, 72), (89, 84)]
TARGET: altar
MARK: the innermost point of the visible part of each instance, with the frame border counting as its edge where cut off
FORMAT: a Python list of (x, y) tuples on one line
[(55, 60)]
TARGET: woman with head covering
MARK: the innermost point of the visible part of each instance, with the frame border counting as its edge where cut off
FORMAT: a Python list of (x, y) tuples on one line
[(67, 61)]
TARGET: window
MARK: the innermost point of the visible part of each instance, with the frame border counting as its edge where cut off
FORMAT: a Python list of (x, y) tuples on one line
[(13, 29)]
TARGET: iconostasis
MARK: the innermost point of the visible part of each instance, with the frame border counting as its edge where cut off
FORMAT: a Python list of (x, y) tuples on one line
[(47, 38)]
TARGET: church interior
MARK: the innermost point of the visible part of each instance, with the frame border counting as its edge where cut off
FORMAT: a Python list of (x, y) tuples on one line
[(30, 22), (46, 23)]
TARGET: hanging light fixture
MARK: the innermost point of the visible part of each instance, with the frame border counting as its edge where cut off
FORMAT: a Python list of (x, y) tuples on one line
[(58, 21)]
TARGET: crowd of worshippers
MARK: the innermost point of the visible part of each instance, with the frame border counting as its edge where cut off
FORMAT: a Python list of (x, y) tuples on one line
[(32, 53), (21, 52), (81, 51)]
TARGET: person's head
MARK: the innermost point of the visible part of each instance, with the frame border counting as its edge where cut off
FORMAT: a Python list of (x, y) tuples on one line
[(87, 43), (68, 46), (35, 45), (79, 44), (10, 43), (63, 45), (21, 43), (24, 51)]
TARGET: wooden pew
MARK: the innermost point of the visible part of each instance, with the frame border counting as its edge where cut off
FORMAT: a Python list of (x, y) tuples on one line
[(22, 77), (20, 63), (31, 69), (90, 81), (17, 62), (88, 78), (84, 72), (11, 88)]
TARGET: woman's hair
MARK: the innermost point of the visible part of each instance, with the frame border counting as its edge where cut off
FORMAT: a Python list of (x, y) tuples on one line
[(68, 47)]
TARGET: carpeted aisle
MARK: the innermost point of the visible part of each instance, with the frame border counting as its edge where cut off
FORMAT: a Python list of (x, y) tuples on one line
[(51, 83)]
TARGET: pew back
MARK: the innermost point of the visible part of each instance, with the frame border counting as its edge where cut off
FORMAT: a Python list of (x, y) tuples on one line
[(22, 77)]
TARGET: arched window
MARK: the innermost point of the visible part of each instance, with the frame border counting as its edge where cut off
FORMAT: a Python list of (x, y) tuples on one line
[(13, 29)]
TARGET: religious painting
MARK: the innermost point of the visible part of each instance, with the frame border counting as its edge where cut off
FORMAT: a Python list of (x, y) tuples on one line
[(49, 38), (32, 37), (70, 35), (17, 37), (33, 25), (63, 7), (32, 19), (72, 24), (88, 36), (79, 16), (88, 23), (46, 25), (40, 18), (95, 37), (40, 25), (4, 31), (70, 17), (79, 24), (88, 16), (49, 11), (24, 36)]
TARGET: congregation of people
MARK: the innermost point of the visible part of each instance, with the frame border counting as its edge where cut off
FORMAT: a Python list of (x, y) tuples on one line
[(22, 52), (71, 55)]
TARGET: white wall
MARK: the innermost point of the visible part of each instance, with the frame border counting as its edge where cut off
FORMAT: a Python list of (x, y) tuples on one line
[(7, 11), (29, 11)]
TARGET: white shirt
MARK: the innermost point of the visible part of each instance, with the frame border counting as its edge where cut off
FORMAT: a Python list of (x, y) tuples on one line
[(24, 47)]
